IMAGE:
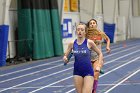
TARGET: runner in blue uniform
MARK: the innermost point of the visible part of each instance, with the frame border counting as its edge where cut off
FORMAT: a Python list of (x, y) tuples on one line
[(83, 71)]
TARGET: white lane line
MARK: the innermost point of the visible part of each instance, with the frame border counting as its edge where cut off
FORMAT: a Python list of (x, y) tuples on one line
[(28, 74), (6, 74), (35, 79), (124, 48), (120, 84), (122, 56), (70, 90), (42, 86), (120, 51), (111, 71), (120, 66), (114, 82), (39, 78), (62, 64), (100, 76), (122, 81), (51, 84)]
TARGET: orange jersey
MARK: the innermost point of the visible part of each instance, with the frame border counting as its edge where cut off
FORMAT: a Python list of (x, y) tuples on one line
[(95, 35)]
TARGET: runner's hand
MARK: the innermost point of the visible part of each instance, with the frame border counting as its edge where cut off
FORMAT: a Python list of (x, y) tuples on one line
[(98, 68), (65, 59), (108, 50)]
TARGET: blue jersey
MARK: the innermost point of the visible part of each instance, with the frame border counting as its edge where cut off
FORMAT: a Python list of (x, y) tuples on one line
[(82, 64)]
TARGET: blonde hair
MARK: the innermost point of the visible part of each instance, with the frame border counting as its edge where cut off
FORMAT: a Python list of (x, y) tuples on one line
[(81, 23)]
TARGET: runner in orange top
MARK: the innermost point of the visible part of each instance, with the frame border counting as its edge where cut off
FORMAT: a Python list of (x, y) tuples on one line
[(97, 36)]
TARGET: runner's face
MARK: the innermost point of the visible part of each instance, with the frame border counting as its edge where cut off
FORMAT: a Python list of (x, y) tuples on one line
[(92, 24), (80, 31)]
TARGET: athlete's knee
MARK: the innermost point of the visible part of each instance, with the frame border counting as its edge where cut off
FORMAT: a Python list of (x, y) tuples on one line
[(96, 75), (87, 91)]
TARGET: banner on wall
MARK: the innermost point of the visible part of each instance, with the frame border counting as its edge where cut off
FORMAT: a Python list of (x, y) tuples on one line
[(67, 28), (74, 5), (66, 5)]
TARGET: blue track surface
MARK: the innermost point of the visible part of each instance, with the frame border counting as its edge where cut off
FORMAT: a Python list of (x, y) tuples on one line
[(122, 73)]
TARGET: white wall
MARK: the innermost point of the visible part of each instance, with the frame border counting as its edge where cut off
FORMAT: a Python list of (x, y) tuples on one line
[(12, 29), (12, 21), (135, 27), (1, 11), (86, 10), (136, 8), (125, 11), (90, 9), (120, 34), (60, 4), (4, 11), (109, 10), (135, 19), (99, 19), (110, 14), (114, 11), (98, 7), (75, 20), (9, 17), (120, 13)]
